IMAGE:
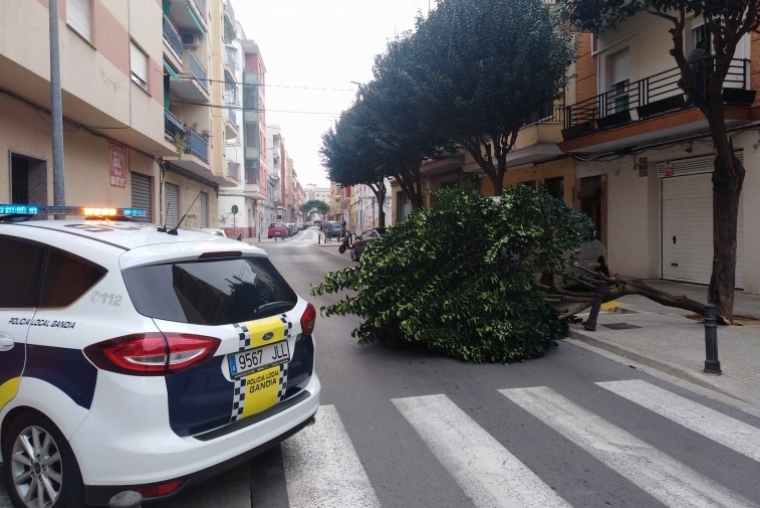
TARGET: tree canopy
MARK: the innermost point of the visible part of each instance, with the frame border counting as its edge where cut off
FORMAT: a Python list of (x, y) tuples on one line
[(315, 204), (478, 69)]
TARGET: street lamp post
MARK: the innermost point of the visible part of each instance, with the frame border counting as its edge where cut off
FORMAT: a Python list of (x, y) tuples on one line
[(56, 110)]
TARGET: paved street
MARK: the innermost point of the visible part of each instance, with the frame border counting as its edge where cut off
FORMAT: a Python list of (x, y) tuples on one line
[(401, 429)]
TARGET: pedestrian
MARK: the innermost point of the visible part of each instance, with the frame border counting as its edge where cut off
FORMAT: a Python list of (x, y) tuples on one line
[(696, 61)]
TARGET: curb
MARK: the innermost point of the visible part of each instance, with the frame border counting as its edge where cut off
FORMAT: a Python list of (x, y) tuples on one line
[(666, 368)]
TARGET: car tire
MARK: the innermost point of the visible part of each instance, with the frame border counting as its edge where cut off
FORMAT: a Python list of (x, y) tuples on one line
[(547, 279), (69, 492)]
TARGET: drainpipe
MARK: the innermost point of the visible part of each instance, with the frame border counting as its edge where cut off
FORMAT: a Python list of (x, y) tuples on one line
[(56, 110)]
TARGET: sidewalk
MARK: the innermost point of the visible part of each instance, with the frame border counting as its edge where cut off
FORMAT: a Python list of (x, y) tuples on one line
[(663, 338)]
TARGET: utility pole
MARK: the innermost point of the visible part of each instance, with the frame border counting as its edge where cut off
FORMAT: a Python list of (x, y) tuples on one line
[(56, 110)]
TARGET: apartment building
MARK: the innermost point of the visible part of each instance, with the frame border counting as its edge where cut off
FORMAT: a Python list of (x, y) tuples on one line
[(317, 193), (644, 158), (138, 79), (246, 162), (363, 208), (276, 158)]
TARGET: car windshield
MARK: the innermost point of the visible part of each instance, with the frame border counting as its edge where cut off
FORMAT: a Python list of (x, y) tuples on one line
[(208, 292)]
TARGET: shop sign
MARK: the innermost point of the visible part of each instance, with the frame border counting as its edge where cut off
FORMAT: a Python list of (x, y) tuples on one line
[(643, 166), (118, 165)]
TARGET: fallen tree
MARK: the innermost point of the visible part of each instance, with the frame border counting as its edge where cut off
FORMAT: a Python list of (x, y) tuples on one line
[(612, 287)]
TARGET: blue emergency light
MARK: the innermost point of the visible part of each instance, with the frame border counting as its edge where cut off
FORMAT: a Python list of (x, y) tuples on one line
[(72, 210)]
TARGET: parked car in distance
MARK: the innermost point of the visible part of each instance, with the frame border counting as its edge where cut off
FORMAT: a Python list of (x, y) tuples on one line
[(334, 229), (214, 231), (361, 241), (277, 230)]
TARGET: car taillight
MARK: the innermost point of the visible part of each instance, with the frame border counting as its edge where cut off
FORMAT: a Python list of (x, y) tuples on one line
[(160, 490), (152, 354), (308, 319)]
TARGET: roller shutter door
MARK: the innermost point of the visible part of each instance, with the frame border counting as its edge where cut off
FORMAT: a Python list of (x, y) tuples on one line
[(172, 204), (142, 193), (204, 210), (687, 236)]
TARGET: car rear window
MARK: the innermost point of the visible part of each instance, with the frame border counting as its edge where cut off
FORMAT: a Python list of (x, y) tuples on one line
[(214, 292), (278, 225)]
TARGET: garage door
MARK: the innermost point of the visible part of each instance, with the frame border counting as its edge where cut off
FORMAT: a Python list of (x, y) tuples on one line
[(142, 193), (687, 236), (172, 204), (204, 210)]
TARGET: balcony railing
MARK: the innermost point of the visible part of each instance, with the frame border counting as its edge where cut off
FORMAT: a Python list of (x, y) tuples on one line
[(197, 70), (232, 115), (201, 4), (548, 112), (195, 144), (229, 8), (172, 38), (233, 170), (173, 125), (231, 59), (646, 97)]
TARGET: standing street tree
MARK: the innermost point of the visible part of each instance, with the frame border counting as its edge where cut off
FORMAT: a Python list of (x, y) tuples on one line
[(728, 21), (351, 155), (480, 68), (315, 205)]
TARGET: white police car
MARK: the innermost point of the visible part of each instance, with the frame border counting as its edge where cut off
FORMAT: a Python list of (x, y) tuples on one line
[(132, 358)]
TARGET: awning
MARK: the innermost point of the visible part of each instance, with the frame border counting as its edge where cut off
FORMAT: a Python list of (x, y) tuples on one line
[(195, 19), (170, 72)]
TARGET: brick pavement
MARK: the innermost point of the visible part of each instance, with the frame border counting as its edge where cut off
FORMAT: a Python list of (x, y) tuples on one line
[(677, 345)]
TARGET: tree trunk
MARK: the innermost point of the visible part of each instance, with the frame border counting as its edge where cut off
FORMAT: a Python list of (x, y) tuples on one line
[(498, 184), (380, 195), (728, 178)]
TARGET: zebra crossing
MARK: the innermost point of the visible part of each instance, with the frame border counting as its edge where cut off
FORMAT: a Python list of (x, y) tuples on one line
[(323, 470)]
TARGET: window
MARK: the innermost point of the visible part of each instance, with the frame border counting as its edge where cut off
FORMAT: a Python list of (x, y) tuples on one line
[(78, 16), (209, 292), (139, 66), (20, 269), (619, 79), (555, 187), (67, 278)]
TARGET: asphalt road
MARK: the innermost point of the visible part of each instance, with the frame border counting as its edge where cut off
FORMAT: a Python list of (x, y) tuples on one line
[(399, 429)]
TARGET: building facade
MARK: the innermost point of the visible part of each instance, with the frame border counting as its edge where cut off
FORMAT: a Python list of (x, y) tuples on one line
[(138, 79)]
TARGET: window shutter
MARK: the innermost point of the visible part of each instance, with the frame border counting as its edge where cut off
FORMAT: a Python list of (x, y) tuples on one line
[(78, 16), (171, 193), (204, 210), (139, 63), (142, 193), (619, 67)]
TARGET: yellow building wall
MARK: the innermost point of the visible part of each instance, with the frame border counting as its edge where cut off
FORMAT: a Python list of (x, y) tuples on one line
[(539, 173)]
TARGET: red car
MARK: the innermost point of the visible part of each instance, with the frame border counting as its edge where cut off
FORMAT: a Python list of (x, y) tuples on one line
[(277, 229)]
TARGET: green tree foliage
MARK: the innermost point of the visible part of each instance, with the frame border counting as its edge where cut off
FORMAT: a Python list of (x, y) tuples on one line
[(320, 206), (728, 22), (459, 278), (352, 156), (478, 69)]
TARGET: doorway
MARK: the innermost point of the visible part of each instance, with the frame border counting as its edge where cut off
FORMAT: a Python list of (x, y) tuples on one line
[(28, 180), (590, 198)]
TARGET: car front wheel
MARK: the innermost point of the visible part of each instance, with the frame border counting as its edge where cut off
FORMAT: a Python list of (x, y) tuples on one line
[(40, 469)]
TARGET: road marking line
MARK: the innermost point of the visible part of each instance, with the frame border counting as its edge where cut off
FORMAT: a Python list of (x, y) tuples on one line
[(730, 432), (485, 470), (322, 469), (664, 478)]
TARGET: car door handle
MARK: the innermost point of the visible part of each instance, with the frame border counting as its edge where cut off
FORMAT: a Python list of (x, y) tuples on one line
[(6, 343)]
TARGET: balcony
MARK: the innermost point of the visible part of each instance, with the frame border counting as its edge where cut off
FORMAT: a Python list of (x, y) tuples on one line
[(233, 170), (649, 98), (173, 39), (229, 22), (173, 126), (201, 5), (196, 145), (194, 80), (230, 123), (197, 70), (230, 61)]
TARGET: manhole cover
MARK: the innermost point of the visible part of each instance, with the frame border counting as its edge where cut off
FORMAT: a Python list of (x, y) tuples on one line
[(620, 326)]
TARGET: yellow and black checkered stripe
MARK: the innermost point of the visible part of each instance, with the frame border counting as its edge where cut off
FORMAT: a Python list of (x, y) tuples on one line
[(257, 391)]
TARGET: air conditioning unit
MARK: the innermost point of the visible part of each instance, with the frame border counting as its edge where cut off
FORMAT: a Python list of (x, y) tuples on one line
[(276, 156), (190, 39)]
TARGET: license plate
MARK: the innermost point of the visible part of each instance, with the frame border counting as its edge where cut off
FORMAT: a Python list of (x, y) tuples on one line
[(260, 358)]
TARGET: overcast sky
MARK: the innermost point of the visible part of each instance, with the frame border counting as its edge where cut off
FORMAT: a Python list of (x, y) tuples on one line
[(318, 44)]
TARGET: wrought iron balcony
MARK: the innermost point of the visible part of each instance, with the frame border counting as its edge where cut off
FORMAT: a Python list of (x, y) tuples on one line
[(231, 60), (172, 38), (646, 98), (195, 144), (172, 126), (232, 115), (548, 112), (197, 70)]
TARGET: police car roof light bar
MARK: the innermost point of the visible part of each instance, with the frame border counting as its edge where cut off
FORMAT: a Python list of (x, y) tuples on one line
[(30, 210)]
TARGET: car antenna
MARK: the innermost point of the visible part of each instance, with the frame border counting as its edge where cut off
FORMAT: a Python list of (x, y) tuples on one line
[(173, 231), (166, 217)]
